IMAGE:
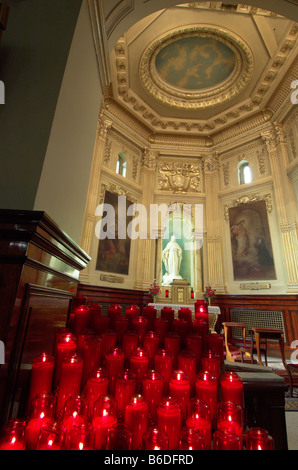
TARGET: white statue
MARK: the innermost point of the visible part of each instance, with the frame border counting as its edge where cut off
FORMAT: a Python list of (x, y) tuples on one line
[(171, 256)]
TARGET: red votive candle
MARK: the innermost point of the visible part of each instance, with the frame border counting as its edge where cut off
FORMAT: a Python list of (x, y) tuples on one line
[(258, 439), (42, 410), (206, 390), (129, 344), (101, 324), (185, 314), (78, 300), (119, 437), (75, 411), (108, 342), (179, 388), (211, 363), (81, 319), (13, 435), (71, 380), (97, 384), (193, 343), (232, 389), (163, 363), (95, 311), (81, 338), (169, 420), (80, 437), (152, 390), (199, 418), (91, 356), (125, 388), (104, 417), (49, 437), (140, 325), (113, 314), (41, 375), (151, 344), (225, 440), (215, 344), (66, 344), (229, 418), (114, 365), (150, 313), (172, 342), (187, 362), (155, 439), (161, 326), (120, 326), (136, 418), (181, 327), (131, 313), (190, 439), (139, 362), (167, 313), (200, 327)]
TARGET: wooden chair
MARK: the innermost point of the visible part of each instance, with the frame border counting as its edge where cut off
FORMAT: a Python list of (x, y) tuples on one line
[(291, 368), (262, 335), (234, 352)]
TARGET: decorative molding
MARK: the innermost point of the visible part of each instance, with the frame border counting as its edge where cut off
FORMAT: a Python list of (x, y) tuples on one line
[(255, 285), (179, 177), (112, 279), (247, 199)]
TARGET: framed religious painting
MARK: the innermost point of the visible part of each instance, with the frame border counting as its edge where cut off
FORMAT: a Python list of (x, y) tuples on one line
[(113, 251), (252, 255)]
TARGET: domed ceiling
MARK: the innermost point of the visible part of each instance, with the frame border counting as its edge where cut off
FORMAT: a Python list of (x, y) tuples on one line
[(199, 67)]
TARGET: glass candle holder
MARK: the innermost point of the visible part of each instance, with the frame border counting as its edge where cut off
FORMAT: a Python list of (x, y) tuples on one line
[(172, 342), (91, 356), (97, 385), (140, 325), (199, 418), (225, 440), (155, 439), (169, 420), (71, 380), (152, 390), (207, 390), (194, 344), (150, 313), (119, 437), (187, 362), (104, 417), (125, 388), (80, 437), (136, 417), (81, 338), (185, 314), (42, 409), (114, 365), (129, 344), (108, 342), (232, 389), (167, 313), (75, 411), (229, 418), (139, 362), (66, 345), (215, 344), (190, 439), (101, 324), (41, 375), (163, 363), (181, 327), (179, 388), (131, 313), (95, 311), (49, 437), (211, 363), (161, 327), (13, 435), (201, 313), (81, 319), (120, 326), (114, 312), (258, 439), (151, 344), (200, 327)]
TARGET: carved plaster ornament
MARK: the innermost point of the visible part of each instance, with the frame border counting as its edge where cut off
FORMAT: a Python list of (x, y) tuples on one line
[(179, 177)]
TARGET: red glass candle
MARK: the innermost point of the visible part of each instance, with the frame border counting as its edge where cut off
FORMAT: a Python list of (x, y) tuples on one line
[(181, 327), (125, 388), (136, 417), (100, 324), (200, 327), (13, 435), (193, 343), (120, 326), (104, 417), (95, 311), (211, 363), (119, 437), (155, 439), (41, 375), (232, 389), (185, 314), (66, 344), (71, 380), (169, 420), (139, 362), (140, 324), (49, 437), (78, 300), (151, 344), (152, 390), (114, 313), (190, 439), (163, 363), (80, 437), (229, 418), (81, 338), (207, 390), (114, 365), (129, 344), (42, 409), (97, 384), (108, 342), (258, 439), (201, 313), (91, 356), (199, 418), (167, 313), (161, 326), (215, 344), (150, 313), (131, 313), (179, 388), (225, 440), (172, 342), (75, 412), (81, 319), (187, 362)]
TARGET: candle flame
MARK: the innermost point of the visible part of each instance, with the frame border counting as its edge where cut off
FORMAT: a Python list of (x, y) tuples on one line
[(81, 446), (230, 418), (50, 442), (75, 414), (13, 440), (105, 412), (259, 447), (42, 415), (156, 448)]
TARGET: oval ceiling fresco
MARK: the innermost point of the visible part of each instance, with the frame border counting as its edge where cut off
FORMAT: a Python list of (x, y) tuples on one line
[(195, 63)]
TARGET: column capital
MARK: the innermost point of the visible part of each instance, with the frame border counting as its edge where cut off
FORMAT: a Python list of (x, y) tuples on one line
[(149, 158), (103, 125), (211, 163)]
